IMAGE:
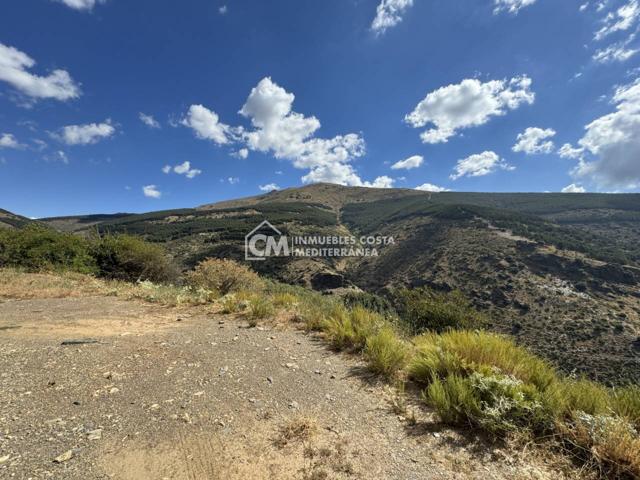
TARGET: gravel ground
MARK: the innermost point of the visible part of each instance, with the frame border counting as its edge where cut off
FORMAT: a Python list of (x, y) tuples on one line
[(164, 393)]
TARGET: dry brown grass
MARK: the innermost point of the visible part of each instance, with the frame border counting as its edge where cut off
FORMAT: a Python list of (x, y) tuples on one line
[(21, 285), (297, 429)]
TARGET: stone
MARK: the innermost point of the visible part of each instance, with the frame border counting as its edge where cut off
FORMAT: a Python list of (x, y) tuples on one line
[(65, 457), (95, 434)]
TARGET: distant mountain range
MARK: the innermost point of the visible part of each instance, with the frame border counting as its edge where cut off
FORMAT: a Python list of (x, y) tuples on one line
[(560, 272)]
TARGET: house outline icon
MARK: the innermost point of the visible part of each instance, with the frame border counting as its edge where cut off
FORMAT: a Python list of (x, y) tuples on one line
[(264, 223)]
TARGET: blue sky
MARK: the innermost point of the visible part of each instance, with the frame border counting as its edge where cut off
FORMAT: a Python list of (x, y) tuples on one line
[(100, 99)]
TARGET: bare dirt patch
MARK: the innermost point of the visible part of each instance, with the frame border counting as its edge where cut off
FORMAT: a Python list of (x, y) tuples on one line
[(185, 394)]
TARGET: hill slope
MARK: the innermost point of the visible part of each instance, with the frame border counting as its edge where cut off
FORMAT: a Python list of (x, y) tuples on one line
[(560, 272), (11, 220)]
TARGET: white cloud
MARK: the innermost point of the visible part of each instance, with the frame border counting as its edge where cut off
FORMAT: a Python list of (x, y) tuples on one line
[(151, 191), (223, 10), (479, 165), (389, 13), (468, 104), (186, 170), (14, 66), (380, 182), (57, 156), (614, 143), (86, 134), (233, 180), (7, 140), (511, 6), (243, 153), (182, 169), (573, 188), (206, 124), (535, 140), (81, 4), (430, 187), (622, 19), (278, 130), (148, 120), (618, 52), (270, 187), (290, 135), (569, 151), (412, 162)]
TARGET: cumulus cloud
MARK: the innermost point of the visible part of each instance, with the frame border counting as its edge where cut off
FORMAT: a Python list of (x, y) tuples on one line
[(621, 19), (430, 187), (270, 187), (613, 143), (151, 191), (290, 135), (81, 4), (573, 188), (468, 104), (148, 120), (8, 140), (223, 10), (380, 182), (86, 134), (186, 170), (412, 162), (206, 124), (285, 134), (243, 153), (511, 6), (389, 13), (569, 151), (14, 69), (535, 140), (182, 169), (479, 165)]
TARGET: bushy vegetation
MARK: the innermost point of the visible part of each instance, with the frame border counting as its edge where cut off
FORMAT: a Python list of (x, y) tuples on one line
[(422, 309), (369, 301), (37, 248), (223, 276), (386, 352), (349, 329), (131, 259)]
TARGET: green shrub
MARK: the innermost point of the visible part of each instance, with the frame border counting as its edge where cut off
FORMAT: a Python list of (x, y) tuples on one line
[(626, 403), (463, 352), (422, 309), (585, 396), (452, 398), (128, 258), (369, 301), (224, 276), (36, 248), (386, 353), (315, 310), (260, 307), (349, 329), (285, 300)]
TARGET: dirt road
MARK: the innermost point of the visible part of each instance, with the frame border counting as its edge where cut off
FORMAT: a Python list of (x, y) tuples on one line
[(165, 393)]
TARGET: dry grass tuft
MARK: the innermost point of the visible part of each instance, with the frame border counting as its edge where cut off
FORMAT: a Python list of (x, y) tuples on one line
[(297, 429)]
